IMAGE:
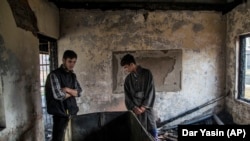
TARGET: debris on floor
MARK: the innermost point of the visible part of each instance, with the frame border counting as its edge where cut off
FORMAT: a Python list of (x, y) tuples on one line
[(170, 133)]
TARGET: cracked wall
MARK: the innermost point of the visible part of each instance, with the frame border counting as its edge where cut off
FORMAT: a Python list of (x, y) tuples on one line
[(95, 35)]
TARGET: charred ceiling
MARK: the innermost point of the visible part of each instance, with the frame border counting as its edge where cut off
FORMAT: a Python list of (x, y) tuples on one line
[(214, 5)]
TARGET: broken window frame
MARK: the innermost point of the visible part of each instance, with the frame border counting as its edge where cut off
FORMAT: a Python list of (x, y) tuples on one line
[(242, 68)]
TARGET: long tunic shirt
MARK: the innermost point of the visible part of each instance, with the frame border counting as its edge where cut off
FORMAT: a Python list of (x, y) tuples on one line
[(140, 91)]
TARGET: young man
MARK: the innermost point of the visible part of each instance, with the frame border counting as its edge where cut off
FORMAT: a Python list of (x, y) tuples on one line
[(61, 88), (140, 93)]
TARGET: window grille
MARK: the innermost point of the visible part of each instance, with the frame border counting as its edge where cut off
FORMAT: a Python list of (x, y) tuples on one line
[(48, 62), (244, 68)]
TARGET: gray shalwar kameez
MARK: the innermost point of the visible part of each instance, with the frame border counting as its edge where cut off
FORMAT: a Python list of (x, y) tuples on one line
[(140, 91)]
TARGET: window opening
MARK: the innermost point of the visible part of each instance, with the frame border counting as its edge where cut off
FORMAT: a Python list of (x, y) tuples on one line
[(48, 62), (244, 68)]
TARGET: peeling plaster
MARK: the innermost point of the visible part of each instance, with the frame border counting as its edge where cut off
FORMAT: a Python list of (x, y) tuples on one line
[(24, 16)]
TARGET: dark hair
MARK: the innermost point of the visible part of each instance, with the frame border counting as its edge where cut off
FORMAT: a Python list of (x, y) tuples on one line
[(127, 60), (69, 54)]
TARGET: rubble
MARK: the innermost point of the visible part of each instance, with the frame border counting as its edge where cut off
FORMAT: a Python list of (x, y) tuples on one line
[(170, 133)]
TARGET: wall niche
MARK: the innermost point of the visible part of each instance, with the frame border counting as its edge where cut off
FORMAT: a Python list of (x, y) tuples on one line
[(165, 65)]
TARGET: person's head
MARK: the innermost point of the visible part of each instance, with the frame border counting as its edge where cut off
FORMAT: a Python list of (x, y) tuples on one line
[(128, 63), (69, 59)]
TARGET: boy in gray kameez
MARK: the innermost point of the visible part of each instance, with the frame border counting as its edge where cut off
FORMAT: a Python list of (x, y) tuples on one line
[(140, 93)]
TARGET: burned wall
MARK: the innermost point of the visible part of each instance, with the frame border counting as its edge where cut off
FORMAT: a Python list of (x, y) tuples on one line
[(47, 16), (24, 16), (237, 24), (166, 72), (96, 35), (20, 99)]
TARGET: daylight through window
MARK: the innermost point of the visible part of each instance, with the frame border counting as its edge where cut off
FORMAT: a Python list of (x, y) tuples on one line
[(244, 68)]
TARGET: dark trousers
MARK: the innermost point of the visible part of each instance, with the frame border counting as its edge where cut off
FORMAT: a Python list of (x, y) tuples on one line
[(148, 122), (59, 126)]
